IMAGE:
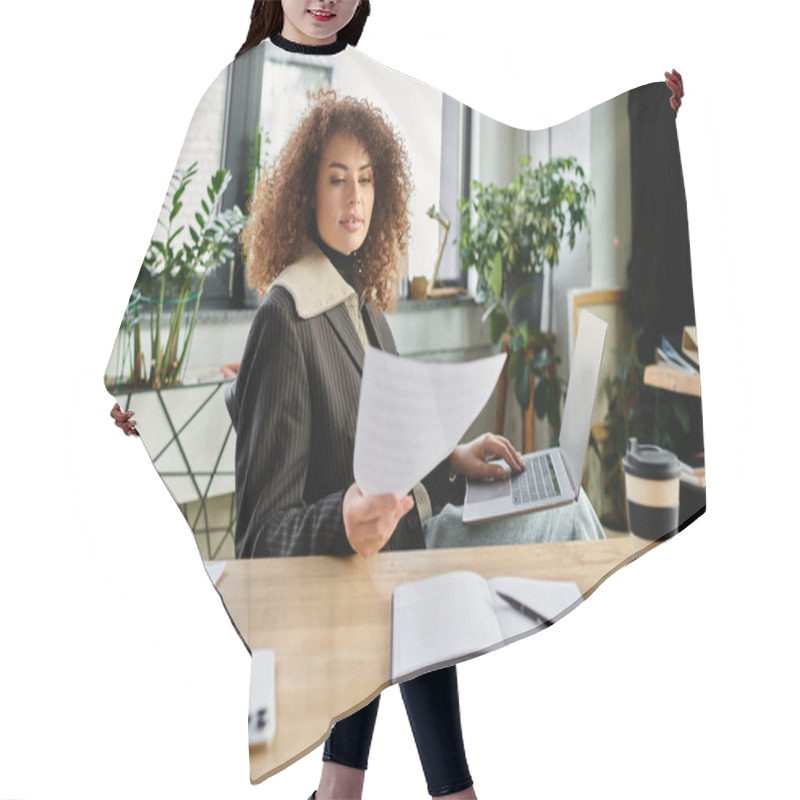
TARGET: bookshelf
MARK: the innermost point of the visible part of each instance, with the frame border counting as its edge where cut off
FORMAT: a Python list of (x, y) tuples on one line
[(662, 376)]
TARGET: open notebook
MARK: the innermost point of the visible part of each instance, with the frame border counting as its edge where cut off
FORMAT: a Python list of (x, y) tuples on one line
[(457, 615)]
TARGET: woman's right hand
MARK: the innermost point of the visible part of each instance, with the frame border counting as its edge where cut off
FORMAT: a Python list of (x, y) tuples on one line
[(675, 84), (369, 522), (124, 420)]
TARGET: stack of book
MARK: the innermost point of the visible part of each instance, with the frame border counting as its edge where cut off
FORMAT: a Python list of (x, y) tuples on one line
[(686, 361)]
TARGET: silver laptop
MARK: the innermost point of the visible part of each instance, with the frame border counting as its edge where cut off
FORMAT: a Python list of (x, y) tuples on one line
[(551, 477)]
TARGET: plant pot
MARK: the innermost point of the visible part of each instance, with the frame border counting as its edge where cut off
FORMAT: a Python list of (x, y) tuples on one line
[(528, 307), (419, 288)]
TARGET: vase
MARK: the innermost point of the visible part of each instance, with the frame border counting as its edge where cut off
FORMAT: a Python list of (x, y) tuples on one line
[(528, 307)]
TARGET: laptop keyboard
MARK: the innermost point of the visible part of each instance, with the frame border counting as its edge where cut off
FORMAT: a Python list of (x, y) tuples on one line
[(537, 482)]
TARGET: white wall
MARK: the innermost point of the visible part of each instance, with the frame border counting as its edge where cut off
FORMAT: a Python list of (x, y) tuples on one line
[(203, 143), (611, 221)]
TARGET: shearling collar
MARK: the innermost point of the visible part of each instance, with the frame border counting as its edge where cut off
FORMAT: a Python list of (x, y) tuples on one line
[(314, 283)]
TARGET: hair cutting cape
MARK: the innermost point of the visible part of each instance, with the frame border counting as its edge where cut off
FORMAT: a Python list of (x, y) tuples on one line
[(272, 484)]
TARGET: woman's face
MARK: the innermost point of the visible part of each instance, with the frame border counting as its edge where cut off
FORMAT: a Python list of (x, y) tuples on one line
[(345, 194), (315, 22)]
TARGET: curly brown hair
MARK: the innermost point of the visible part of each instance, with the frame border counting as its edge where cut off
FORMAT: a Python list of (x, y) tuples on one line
[(281, 213)]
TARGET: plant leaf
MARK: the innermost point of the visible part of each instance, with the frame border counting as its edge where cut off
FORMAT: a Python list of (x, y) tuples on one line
[(554, 409), (490, 310), (515, 364), (542, 359), (498, 324), (496, 276), (541, 398), (522, 387)]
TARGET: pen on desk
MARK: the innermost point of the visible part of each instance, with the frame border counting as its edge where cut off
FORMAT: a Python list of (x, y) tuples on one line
[(526, 610)]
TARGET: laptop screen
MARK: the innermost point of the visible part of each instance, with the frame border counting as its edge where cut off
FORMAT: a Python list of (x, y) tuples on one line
[(581, 391)]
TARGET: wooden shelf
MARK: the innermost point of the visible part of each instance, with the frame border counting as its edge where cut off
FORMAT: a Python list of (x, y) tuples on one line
[(673, 380)]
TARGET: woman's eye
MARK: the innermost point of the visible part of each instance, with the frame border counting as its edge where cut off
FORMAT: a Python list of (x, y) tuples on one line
[(337, 181), (366, 180)]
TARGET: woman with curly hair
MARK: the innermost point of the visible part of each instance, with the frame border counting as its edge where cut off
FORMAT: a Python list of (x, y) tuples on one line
[(283, 215), (328, 225)]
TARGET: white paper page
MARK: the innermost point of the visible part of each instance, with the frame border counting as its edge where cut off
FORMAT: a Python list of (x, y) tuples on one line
[(412, 414), (462, 390), (439, 619), (549, 598)]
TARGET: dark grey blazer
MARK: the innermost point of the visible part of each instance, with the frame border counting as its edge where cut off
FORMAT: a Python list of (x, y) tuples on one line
[(296, 406)]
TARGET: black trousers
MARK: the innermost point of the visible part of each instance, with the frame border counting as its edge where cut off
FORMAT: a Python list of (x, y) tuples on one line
[(431, 702)]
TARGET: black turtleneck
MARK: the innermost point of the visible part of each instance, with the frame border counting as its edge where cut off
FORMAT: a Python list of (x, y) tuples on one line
[(345, 264), (347, 268), (308, 49)]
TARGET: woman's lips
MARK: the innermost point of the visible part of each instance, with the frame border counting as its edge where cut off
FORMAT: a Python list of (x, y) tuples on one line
[(352, 224), (321, 16)]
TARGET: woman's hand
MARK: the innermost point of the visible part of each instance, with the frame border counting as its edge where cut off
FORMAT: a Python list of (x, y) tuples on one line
[(471, 459), (229, 371), (124, 420), (370, 521), (675, 83)]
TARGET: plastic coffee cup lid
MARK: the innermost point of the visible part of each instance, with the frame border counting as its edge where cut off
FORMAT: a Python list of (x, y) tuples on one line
[(650, 461)]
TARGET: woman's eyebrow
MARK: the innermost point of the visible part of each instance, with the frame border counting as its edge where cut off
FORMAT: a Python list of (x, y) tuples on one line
[(337, 165)]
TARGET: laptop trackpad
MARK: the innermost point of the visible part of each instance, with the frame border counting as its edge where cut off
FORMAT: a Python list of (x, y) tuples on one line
[(480, 492)]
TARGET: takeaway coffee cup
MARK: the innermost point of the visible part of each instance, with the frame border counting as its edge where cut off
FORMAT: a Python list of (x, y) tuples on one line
[(652, 485)]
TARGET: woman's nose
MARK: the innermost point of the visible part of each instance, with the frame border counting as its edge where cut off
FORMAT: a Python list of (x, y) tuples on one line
[(354, 193)]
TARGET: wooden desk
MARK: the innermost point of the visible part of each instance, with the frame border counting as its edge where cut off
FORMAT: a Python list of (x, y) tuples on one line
[(332, 645)]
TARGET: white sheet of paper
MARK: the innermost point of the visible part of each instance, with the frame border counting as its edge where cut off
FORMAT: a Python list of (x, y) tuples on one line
[(412, 414)]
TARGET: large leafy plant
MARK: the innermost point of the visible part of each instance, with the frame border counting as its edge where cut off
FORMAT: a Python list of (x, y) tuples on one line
[(518, 229), (171, 279)]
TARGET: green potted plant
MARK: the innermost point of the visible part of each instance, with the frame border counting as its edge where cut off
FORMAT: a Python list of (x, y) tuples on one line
[(514, 231), (170, 284)]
